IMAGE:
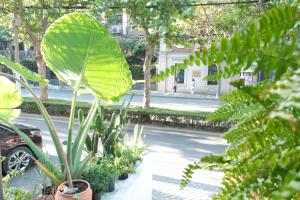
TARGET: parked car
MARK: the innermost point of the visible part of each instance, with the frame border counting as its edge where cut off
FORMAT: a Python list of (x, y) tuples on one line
[(18, 155)]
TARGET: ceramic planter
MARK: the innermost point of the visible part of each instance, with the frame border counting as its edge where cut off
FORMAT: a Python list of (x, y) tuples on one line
[(86, 194)]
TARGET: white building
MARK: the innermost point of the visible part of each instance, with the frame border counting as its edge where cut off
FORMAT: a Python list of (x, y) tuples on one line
[(184, 78)]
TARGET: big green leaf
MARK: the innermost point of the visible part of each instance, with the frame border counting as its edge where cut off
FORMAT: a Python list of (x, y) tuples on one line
[(23, 71), (82, 53), (10, 98)]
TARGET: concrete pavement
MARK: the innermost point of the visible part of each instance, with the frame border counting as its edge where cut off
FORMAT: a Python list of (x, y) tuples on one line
[(172, 149), (168, 101)]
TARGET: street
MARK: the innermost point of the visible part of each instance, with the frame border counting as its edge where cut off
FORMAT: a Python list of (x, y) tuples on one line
[(172, 149), (167, 102)]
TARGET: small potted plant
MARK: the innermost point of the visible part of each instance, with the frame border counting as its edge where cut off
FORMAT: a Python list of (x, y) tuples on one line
[(122, 165), (101, 174)]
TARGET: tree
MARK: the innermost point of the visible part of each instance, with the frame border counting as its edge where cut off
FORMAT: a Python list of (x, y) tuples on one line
[(157, 18), (262, 160), (134, 51), (35, 16), (5, 37)]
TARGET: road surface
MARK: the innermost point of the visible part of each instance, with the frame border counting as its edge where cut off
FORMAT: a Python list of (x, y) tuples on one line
[(168, 102), (172, 149)]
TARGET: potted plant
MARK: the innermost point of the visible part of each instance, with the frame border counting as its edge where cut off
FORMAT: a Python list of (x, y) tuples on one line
[(101, 174), (47, 190), (124, 169), (82, 53)]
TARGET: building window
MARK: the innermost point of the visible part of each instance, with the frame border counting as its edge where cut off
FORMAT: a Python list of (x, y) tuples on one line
[(179, 76), (212, 70)]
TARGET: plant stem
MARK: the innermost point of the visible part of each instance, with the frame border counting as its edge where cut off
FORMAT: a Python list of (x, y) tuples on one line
[(70, 128), (53, 132), (1, 186)]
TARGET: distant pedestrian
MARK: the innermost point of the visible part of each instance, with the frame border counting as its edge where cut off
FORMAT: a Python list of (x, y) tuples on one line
[(193, 86), (175, 87)]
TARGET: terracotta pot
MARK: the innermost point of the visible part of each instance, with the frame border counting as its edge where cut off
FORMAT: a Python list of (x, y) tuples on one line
[(87, 194)]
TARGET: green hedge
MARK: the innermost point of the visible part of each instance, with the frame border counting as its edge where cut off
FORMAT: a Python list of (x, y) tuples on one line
[(156, 116)]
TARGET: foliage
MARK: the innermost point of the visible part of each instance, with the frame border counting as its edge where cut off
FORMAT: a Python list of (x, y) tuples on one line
[(13, 193), (100, 174), (33, 18), (263, 42), (132, 146), (129, 151), (84, 70), (133, 49), (30, 64), (157, 116), (72, 164), (10, 99), (29, 75), (212, 23), (157, 19), (109, 135), (261, 161), (5, 37), (137, 72)]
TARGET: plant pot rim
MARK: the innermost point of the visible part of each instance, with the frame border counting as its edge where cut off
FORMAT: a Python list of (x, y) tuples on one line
[(75, 180)]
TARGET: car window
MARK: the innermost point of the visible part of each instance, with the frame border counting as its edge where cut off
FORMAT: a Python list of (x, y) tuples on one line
[(5, 131)]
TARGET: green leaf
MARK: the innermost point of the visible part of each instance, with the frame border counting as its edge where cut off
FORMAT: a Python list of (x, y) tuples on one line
[(82, 53), (23, 71), (54, 179), (10, 99), (224, 44)]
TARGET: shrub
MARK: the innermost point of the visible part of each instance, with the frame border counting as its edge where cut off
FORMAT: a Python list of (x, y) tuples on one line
[(100, 174), (155, 116)]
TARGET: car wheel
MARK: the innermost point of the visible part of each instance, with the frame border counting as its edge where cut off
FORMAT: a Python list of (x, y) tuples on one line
[(19, 159)]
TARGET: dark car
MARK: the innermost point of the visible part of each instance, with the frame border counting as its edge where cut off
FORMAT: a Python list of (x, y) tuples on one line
[(18, 155)]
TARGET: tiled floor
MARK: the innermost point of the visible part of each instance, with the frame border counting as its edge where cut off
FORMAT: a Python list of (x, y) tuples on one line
[(167, 177)]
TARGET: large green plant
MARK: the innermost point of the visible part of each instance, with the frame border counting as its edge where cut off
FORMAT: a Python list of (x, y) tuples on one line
[(82, 53), (262, 160), (109, 135)]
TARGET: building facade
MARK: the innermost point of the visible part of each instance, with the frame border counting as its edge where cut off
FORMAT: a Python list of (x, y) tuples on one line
[(190, 80)]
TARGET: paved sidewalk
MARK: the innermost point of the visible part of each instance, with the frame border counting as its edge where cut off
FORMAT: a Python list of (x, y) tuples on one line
[(167, 177), (153, 93), (186, 102)]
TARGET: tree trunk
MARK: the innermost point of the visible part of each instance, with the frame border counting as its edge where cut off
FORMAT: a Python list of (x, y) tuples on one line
[(147, 73), (261, 6), (262, 73), (17, 49), (42, 72), (218, 94)]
